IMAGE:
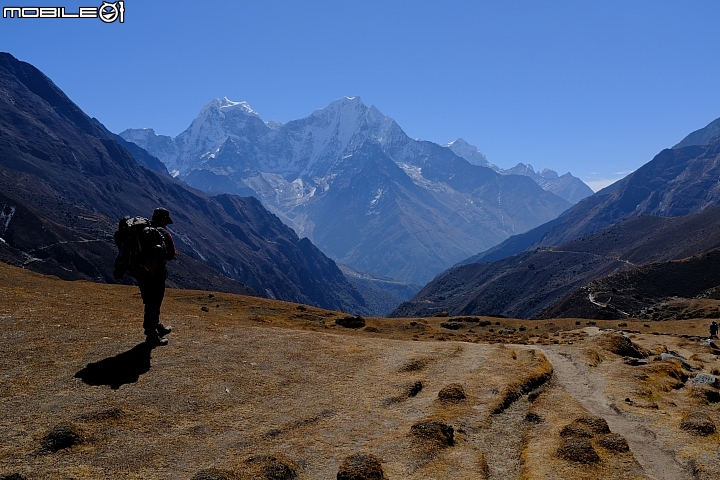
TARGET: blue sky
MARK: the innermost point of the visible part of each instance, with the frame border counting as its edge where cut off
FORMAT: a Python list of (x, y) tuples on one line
[(596, 88)]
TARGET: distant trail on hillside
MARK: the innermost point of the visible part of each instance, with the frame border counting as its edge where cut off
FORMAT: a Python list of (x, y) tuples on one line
[(589, 390)]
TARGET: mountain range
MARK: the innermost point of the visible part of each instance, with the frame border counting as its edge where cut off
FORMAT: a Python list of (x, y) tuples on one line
[(351, 180), (65, 181), (661, 212)]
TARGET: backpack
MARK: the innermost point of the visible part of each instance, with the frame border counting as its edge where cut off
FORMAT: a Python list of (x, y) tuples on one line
[(141, 248)]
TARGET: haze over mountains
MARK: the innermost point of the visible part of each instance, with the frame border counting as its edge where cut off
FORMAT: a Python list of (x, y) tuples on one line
[(65, 182), (365, 193), (619, 228)]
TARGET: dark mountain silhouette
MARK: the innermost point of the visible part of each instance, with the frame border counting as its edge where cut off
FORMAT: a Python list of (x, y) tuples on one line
[(529, 283), (65, 182)]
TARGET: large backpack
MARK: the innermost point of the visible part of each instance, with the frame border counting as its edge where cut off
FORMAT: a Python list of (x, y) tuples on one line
[(141, 247)]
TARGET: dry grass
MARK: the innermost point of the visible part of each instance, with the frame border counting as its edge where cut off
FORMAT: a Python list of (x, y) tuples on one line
[(250, 388)]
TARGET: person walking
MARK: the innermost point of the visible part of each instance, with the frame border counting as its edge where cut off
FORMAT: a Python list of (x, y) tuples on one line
[(152, 284), (714, 330)]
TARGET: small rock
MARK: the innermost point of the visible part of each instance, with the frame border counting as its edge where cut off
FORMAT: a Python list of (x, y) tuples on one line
[(667, 356), (698, 423), (361, 466), (452, 393), (614, 442), (204, 309), (355, 321), (634, 361), (705, 379), (578, 450)]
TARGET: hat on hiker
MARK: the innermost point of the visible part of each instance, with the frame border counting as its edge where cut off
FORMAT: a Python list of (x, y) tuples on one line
[(162, 213)]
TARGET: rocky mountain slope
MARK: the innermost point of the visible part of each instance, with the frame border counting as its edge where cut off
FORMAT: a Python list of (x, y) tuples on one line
[(350, 179), (65, 182), (528, 284), (653, 292), (678, 181)]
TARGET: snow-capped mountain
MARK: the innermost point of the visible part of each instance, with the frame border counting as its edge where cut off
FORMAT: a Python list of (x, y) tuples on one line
[(566, 186), (351, 180)]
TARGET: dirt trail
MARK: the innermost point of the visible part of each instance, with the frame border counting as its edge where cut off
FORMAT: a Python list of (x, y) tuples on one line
[(505, 434), (589, 390)]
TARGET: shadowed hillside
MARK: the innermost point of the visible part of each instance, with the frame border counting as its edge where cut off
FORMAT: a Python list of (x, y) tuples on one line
[(65, 182)]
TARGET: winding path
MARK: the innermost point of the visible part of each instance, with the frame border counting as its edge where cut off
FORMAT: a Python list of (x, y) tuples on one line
[(589, 390)]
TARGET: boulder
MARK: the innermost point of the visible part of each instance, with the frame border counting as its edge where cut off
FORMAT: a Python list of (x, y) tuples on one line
[(706, 379)]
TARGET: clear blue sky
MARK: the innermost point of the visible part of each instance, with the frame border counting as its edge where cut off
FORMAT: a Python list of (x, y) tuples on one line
[(590, 87)]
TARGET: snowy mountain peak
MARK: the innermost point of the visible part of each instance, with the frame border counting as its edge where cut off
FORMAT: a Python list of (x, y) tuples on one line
[(469, 152), (226, 105)]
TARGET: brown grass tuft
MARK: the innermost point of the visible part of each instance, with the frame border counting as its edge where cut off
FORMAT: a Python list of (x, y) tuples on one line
[(698, 423), (540, 372), (60, 437), (452, 393), (576, 431), (614, 442), (595, 424), (214, 474), (434, 432), (621, 345), (361, 466), (578, 450)]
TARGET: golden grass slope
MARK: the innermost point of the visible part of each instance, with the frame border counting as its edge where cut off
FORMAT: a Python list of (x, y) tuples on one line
[(249, 386)]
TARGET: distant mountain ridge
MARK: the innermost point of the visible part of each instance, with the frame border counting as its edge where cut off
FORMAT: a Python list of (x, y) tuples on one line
[(566, 186), (65, 181), (351, 180), (528, 273)]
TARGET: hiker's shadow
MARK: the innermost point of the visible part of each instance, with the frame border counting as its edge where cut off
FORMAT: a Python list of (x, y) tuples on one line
[(119, 370)]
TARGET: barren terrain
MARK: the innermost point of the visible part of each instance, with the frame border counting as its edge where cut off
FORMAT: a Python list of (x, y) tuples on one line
[(254, 388)]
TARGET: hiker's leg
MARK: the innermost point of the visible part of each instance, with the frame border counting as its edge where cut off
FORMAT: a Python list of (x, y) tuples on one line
[(152, 291)]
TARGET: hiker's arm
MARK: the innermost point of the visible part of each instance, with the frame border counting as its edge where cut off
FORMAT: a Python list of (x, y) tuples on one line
[(171, 252)]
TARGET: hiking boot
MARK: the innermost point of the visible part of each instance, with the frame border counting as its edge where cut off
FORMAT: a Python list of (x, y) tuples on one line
[(155, 341), (162, 330)]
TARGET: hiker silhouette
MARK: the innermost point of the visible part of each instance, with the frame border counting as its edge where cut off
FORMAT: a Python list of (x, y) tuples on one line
[(119, 370)]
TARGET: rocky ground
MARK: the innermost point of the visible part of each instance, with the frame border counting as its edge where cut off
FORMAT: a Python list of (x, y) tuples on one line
[(250, 388)]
